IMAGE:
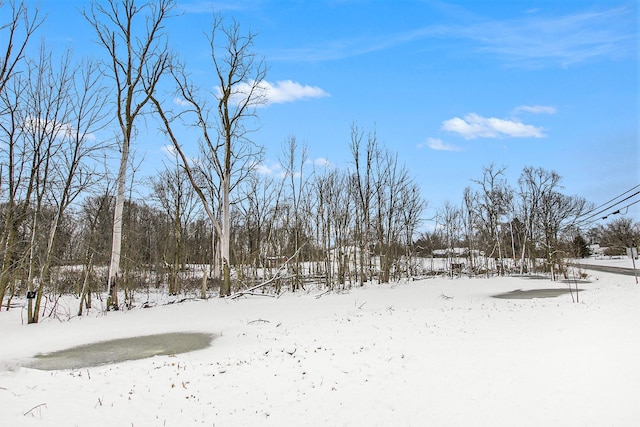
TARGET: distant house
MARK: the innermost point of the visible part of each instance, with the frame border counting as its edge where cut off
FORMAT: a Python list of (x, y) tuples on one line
[(450, 252), (596, 249)]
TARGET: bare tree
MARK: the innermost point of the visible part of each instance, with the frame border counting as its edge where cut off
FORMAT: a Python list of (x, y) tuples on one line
[(14, 38), (450, 220), (16, 34), (174, 193), (240, 75), (340, 212), (293, 161), (492, 202), (334, 220), (618, 235), (412, 205), (13, 177), (469, 223), (136, 63), (74, 170), (60, 107), (226, 148), (260, 197), (557, 211), (363, 158), (391, 180), (96, 222), (535, 186)]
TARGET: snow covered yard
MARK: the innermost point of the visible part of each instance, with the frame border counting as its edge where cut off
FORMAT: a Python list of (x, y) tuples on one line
[(431, 352)]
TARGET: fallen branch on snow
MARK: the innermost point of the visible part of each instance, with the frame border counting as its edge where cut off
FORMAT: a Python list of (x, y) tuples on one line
[(276, 276), (256, 294), (35, 407), (324, 293)]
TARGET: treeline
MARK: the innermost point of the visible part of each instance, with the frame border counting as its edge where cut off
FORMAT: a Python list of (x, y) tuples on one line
[(336, 226), (527, 227)]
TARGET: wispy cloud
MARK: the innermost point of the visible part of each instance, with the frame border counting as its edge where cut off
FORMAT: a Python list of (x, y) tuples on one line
[(534, 109), (171, 153), (331, 50), (321, 162), (537, 40), (200, 6), (533, 40), (438, 145), (181, 102), (169, 150), (474, 126)]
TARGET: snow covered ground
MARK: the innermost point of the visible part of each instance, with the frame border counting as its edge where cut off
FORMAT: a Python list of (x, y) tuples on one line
[(436, 352)]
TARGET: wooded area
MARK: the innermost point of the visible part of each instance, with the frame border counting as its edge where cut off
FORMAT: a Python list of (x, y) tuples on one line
[(215, 224)]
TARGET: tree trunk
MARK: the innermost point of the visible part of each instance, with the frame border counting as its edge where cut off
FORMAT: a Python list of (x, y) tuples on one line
[(116, 245), (225, 286)]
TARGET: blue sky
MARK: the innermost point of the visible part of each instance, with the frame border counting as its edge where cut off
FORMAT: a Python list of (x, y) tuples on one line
[(451, 86)]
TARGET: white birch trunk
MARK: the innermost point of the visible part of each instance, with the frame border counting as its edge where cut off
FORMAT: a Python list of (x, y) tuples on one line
[(225, 289), (116, 244)]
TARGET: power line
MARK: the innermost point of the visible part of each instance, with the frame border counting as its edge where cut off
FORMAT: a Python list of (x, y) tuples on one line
[(617, 212), (624, 207), (611, 207), (630, 204), (609, 201), (588, 219)]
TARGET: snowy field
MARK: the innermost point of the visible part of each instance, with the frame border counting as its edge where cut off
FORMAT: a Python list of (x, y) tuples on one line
[(435, 352)]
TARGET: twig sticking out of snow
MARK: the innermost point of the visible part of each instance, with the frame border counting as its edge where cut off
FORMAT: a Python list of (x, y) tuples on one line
[(34, 408)]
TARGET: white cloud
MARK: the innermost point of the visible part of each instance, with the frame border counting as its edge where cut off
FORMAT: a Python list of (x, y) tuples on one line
[(535, 109), (475, 126), (268, 168), (290, 91), (272, 168), (181, 102), (263, 169), (280, 92), (51, 127), (169, 150), (438, 145), (322, 162)]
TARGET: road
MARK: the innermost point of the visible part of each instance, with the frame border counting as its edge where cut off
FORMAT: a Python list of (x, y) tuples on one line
[(607, 269)]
